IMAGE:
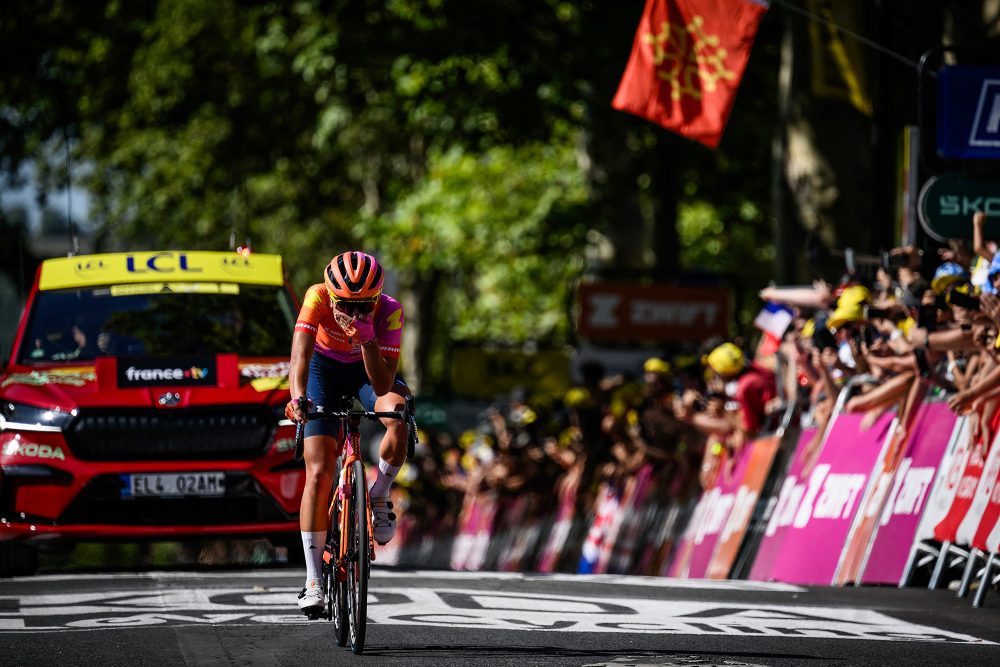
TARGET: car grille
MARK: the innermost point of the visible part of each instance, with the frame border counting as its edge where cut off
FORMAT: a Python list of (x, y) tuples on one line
[(170, 435), (101, 501)]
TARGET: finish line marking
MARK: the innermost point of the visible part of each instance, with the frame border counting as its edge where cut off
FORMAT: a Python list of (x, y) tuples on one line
[(451, 608)]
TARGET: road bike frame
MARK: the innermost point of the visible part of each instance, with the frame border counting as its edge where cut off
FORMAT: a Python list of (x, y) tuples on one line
[(350, 545)]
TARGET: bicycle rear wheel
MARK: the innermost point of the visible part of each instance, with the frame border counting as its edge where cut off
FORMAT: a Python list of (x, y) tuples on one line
[(358, 559)]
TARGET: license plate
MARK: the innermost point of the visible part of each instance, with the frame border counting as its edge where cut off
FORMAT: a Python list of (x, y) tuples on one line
[(168, 484)]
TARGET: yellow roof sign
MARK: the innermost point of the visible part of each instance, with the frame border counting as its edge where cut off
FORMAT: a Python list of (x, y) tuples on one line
[(165, 266)]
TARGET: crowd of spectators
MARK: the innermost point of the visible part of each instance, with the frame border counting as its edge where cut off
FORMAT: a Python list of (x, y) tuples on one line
[(917, 320)]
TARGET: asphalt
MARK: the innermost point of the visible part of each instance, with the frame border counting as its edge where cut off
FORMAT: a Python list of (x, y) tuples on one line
[(248, 617)]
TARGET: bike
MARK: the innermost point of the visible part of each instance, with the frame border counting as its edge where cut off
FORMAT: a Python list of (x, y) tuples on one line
[(350, 547)]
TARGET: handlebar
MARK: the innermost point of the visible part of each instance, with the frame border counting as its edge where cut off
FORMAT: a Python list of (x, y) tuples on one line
[(407, 414)]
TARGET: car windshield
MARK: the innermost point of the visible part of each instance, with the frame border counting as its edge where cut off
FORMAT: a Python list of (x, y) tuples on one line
[(172, 319)]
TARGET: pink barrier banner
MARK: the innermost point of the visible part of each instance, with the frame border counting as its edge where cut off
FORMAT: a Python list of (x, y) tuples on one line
[(469, 549), (928, 439), (694, 552), (825, 512), (759, 462), (789, 493)]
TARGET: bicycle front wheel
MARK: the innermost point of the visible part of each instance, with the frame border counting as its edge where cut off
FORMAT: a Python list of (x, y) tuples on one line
[(336, 591), (358, 558)]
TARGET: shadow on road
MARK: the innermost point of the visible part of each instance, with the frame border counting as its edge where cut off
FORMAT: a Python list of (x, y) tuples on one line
[(452, 651)]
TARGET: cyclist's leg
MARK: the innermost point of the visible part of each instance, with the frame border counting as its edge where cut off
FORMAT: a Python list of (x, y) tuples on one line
[(320, 455), (392, 455)]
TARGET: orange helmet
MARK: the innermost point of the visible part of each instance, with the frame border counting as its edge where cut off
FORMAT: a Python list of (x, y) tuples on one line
[(354, 275)]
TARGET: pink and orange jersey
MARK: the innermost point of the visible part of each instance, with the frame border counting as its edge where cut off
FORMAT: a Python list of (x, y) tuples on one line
[(316, 318)]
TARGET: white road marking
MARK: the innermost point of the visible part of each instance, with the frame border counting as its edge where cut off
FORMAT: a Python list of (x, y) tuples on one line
[(460, 607), (448, 575)]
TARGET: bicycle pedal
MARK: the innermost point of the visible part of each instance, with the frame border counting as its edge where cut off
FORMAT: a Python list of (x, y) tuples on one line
[(314, 613)]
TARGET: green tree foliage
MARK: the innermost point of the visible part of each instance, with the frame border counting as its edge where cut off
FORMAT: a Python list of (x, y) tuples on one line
[(472, 144), (499, 225)]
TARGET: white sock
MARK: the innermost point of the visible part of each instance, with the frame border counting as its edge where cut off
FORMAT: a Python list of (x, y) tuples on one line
[(386, 473), (312, 545)]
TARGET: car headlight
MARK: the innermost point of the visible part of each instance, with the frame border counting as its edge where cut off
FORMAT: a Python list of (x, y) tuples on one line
[(31, 418)]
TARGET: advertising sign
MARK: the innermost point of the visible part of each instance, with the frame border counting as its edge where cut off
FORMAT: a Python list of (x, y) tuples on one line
[(967, 529), (173, 371), (883, 476), (946, 486), (826, 509), (761, 457), (637, 312), (909, 494), (788, 496), (947, 202), (969, 112), (128, 268), (989, 520), (694, 551)]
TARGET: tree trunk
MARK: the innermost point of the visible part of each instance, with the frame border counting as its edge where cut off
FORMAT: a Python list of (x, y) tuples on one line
[(828, 163), (418, 296)]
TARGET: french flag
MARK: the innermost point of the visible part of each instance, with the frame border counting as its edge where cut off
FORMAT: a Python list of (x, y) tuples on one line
[(773, 319)]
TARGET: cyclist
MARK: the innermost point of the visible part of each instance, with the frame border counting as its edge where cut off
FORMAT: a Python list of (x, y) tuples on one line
[(355, 332)]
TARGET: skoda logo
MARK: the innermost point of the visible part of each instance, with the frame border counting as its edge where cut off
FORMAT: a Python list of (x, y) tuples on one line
[(169, 399)]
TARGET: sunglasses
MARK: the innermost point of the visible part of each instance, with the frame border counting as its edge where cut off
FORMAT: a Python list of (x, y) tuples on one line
[(355, 306)]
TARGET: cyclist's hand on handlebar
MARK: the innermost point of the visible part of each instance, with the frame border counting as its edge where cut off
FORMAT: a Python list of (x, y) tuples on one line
[(293, 412)]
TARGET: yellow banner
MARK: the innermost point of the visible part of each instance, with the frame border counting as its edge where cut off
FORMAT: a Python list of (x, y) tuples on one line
[(160, 267), (477, 372), (838, 64)]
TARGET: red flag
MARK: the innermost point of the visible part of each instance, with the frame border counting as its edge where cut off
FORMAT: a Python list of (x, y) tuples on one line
[(686, 64)]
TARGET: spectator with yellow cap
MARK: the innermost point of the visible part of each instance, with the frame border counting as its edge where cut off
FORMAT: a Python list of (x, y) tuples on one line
[(748, 384), (659, 432)]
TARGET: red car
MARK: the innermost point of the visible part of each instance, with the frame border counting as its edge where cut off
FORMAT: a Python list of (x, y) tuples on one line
[(141, 401)]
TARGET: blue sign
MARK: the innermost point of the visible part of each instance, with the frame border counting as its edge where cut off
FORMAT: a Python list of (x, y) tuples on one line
[(969, 112)]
